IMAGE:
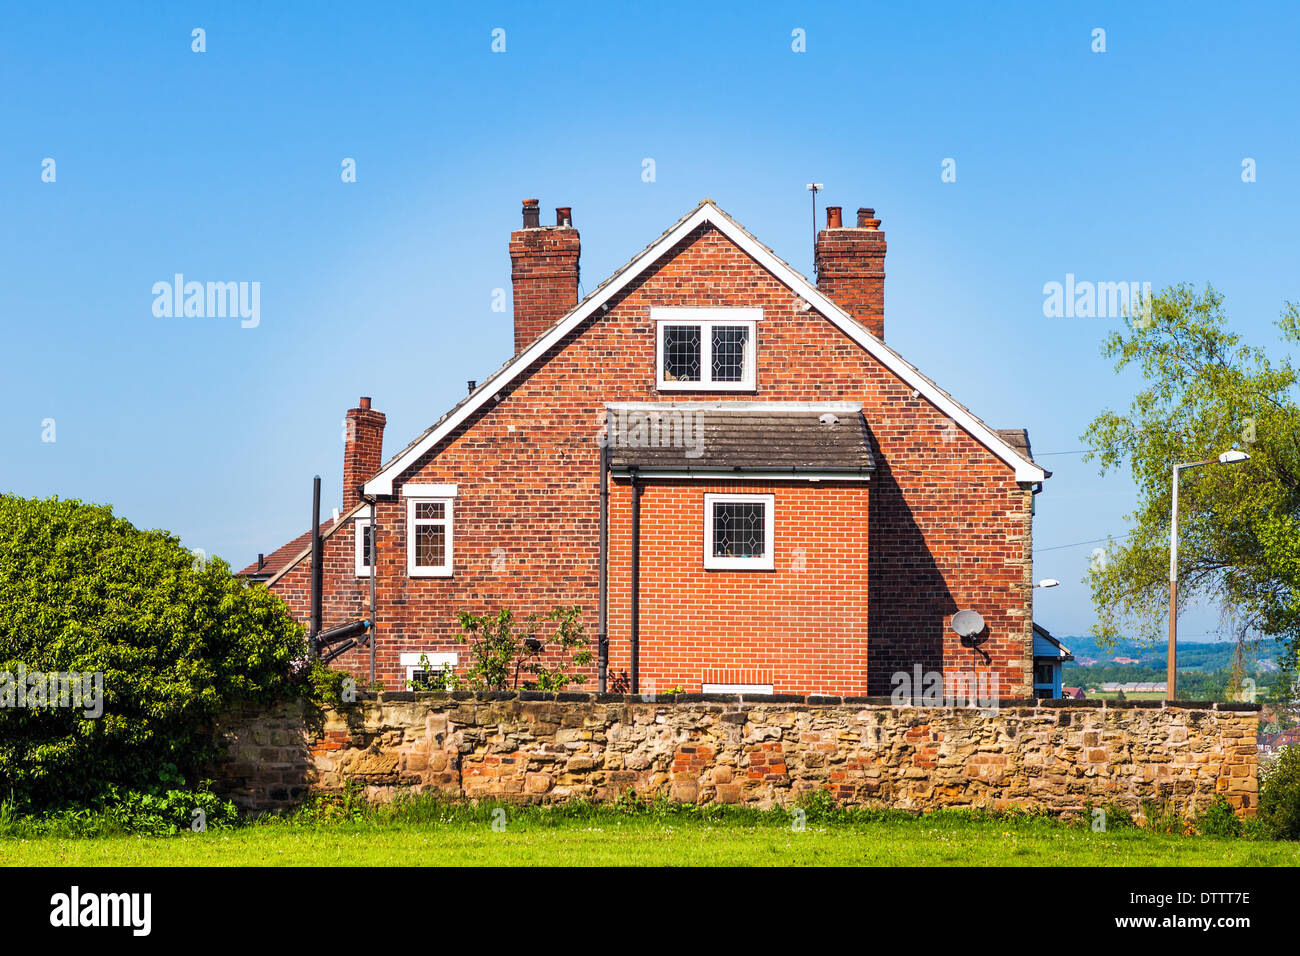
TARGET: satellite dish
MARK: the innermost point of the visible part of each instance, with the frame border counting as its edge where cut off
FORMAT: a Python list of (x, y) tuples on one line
[(967, 624)]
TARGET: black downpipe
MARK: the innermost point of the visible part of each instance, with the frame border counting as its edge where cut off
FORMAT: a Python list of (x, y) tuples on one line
[(602, 630), (315, 564), (636, 583)]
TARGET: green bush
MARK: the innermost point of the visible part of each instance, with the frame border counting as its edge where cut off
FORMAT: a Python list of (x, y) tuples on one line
[(1279, 794), (175, 640), (164, 814), (1219, 819)]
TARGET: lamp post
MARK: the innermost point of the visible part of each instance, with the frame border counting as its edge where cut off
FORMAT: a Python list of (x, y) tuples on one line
[(1230, 457)]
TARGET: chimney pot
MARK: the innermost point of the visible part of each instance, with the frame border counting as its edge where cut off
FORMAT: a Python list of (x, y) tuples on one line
[(532, 213), (564, 215), (867, 219), (365, 401), (834, 217), (472, 384)]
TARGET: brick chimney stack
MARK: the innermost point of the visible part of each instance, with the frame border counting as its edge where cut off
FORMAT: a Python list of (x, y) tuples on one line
[(544, 270), (851, 267), (363, 450)]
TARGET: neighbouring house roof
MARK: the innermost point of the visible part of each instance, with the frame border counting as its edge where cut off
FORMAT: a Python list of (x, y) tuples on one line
[(706, 212), (1018, 439), (279, 561), (729, 437), (1047, 647)]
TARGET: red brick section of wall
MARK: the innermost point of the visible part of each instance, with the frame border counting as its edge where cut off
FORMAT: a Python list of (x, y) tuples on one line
[(363, 449), (851, 269), (544, 272), (801, 627), (949, 525)]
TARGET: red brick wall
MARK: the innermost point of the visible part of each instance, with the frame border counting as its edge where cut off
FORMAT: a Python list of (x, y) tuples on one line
[(801, 627), (949, 525)]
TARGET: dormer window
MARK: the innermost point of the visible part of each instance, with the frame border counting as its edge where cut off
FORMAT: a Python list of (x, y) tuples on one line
[(705, 349)]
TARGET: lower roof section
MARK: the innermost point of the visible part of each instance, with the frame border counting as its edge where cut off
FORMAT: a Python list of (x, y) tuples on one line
[(733, 439)]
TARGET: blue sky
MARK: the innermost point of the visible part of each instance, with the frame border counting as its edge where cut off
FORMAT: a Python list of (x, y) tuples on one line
[(225, 165)]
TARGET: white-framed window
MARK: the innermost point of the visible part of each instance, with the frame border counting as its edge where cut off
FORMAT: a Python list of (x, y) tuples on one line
[(705, 349), (429, 537), (362, 545), (736, 688), (739, 532), (425, 667)]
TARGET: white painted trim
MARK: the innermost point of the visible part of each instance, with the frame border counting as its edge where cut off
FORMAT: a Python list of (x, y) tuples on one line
[(358, 549), (706, 319), (429, 491), (768, 561), (733, 475), (839, 408), (717, 314), (447, 521), (736, 688), (382, 483)]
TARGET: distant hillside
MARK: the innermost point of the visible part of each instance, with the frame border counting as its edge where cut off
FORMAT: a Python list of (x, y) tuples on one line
[(1208, 657)]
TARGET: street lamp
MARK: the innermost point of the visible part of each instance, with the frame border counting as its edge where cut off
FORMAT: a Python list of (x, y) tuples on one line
[(1230, 457), (1048, 583)]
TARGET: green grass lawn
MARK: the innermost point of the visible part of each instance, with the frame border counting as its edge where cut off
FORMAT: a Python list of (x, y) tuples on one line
[(648, 842)]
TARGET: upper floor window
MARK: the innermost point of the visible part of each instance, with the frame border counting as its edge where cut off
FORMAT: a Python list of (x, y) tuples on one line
[(429, 529), (705, 349)]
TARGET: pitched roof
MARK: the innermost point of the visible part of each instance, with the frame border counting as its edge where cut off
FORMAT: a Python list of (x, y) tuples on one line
[(739, 437), (1048, 646), (706, 212), (285, 557)]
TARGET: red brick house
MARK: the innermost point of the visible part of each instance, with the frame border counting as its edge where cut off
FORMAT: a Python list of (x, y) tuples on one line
[(782, 503)]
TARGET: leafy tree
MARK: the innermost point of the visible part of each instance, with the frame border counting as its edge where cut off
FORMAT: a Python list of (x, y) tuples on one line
[(176, 640), (1279, 794), (500, 650), (1204, 391)]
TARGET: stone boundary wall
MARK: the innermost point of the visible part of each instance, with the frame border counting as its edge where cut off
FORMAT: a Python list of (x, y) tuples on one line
[(762, 752)]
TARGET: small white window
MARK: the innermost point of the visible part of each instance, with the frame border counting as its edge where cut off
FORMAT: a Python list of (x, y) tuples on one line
[(426, 667), (739, 532), (362, 539), (428, 537), (705, 349)]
